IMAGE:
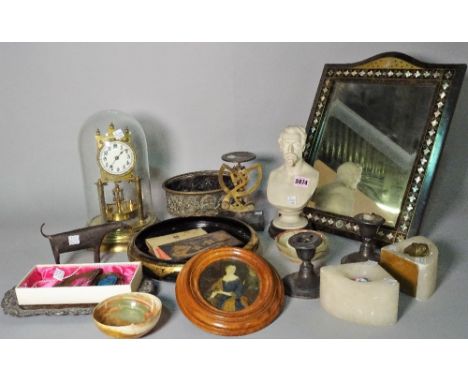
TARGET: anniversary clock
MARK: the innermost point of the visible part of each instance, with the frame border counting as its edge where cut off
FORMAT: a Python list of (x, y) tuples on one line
[(116, 175)]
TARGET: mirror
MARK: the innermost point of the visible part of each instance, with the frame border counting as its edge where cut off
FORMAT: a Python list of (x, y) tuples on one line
[(375, 134)]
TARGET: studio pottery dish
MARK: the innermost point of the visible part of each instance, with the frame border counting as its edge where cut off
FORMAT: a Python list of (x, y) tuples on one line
[(128, 315)]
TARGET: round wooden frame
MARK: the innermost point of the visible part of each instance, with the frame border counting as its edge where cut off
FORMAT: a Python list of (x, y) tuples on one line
[(264, 310)]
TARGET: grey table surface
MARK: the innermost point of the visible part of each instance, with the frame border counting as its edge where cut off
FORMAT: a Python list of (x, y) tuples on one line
[(444, 315), (196, 102)]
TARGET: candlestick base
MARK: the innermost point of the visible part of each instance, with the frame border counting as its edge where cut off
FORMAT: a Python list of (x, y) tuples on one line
[(274, 231), (294, 286), (358, 257)]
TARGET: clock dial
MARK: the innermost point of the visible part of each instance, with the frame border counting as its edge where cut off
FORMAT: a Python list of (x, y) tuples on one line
[(116, 158)]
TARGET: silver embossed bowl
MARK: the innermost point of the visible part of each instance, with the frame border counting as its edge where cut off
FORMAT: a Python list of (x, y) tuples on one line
[(194, 194)]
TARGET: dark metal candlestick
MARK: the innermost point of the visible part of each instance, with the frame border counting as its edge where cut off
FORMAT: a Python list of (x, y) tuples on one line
[(369, 224), (305, 283)]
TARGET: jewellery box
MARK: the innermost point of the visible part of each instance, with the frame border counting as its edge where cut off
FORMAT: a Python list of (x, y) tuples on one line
[(41, 286)]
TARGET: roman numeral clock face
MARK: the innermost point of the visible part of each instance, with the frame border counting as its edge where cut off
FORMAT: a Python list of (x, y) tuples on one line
[(117, 158)]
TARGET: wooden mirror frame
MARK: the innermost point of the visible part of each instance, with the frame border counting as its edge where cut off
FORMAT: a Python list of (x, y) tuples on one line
[(395, 68), (263, 310)]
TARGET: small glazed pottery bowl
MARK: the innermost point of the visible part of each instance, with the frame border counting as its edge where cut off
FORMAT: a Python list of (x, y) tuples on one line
[(289, 252), (127, 315)]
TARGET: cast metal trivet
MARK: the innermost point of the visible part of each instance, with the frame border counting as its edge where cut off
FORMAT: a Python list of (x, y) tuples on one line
[(305, 283), (10, 304), (369, 224)]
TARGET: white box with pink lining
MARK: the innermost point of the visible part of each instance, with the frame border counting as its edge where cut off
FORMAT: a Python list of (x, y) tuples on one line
[(67, 284)]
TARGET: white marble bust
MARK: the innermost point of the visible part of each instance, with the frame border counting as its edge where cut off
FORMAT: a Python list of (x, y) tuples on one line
[(338, 197), (291, 185)]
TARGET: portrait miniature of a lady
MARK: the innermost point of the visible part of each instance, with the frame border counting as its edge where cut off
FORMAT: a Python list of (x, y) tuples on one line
[(227, 293)]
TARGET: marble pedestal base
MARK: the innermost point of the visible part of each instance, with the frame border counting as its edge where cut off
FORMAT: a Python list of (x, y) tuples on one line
[(363, 293)]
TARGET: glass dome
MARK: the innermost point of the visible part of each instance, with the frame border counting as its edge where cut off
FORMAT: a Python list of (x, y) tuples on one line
[(114, 161)]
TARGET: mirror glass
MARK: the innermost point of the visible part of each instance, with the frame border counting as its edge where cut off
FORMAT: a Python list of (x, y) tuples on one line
[(369, 145), (375, 134)]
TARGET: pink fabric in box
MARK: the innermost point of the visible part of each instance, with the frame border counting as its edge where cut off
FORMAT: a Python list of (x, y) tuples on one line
[(44, 276)]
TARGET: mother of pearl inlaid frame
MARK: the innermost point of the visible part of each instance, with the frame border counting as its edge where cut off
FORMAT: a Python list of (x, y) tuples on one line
[(394, 68)]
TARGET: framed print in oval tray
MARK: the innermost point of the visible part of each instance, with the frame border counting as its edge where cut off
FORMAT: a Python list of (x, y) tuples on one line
[(229, 291)]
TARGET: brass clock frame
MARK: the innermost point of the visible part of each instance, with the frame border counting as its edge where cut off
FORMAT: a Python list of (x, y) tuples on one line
[(121, 209), (109, 175)]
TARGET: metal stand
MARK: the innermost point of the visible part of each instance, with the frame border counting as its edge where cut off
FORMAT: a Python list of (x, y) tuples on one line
[(369, 224), (305, 283), (237, 197), (273, 231)]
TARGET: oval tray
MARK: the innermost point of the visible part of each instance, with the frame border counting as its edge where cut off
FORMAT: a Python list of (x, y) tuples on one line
[(165, 270)]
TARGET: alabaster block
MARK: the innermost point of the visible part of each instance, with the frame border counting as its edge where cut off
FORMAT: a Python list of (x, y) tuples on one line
[(413, 262), (363, 293)]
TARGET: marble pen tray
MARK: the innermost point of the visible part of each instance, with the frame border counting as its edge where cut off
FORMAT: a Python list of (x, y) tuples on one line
[(10, 305)]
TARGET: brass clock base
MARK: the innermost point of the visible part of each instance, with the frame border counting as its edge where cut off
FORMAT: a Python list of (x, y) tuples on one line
[(117, 241), (113, 248)]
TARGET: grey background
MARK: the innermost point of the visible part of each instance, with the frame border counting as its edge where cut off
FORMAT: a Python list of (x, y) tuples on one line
[(196, 102)]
